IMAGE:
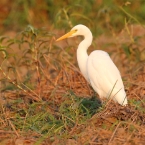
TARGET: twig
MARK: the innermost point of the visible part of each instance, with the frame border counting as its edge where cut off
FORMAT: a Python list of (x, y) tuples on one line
[(114, 133), (12, 126), (18, 86), (14, 129), (139, 98)]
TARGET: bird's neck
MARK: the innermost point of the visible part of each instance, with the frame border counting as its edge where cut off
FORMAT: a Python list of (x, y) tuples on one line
[(82, 55)]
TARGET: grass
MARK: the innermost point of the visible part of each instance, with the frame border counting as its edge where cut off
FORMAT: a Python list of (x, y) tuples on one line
[(43, 97)]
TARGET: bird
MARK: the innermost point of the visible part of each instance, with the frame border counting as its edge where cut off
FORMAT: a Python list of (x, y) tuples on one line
[(98, 68)]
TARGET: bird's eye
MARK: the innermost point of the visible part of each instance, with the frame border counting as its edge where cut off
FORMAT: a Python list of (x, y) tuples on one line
[(76, 30)]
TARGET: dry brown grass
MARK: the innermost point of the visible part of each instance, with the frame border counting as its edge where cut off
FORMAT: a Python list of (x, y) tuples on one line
[(56, 85)]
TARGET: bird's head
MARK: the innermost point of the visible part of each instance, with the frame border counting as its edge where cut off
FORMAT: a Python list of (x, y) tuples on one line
[(75, 31)]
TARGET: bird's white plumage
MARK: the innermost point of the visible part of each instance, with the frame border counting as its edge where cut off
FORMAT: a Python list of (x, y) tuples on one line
[(105, 77), (98, 68)]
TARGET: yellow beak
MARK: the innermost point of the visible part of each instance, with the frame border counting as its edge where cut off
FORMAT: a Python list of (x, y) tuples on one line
[(66, 35)]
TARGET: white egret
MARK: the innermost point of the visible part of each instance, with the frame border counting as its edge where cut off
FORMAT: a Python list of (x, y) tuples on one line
[(98, 68)]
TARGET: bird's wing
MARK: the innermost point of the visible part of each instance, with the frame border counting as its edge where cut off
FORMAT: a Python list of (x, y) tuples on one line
[(103, 73)]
